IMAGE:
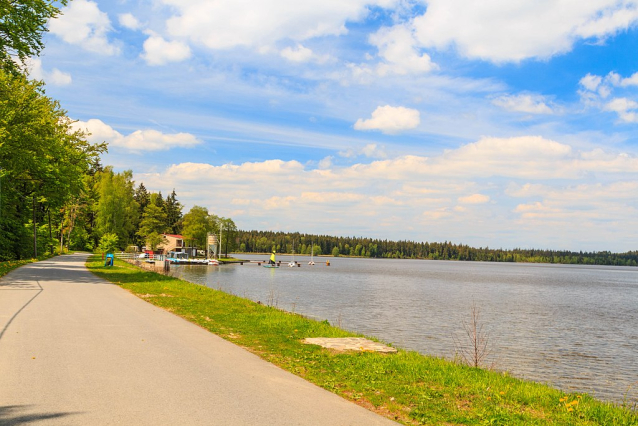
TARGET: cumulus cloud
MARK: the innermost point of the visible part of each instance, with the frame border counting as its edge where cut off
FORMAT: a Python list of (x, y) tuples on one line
[(530, 104), (55, 77), (626, 108), (82, 23), (297, 54), (535, 184), (519, 30), (595, 90), (129, 21), (254, 24), (373, 150), (139, 140), (398, 49), (390, 120), (158, 51), (630, 81), (591, 82)]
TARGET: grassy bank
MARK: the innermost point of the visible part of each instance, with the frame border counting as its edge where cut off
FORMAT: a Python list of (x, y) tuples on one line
[(406, 386)]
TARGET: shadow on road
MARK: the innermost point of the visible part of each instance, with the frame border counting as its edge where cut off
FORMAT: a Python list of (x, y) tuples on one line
[(19, 415), (4, 329)]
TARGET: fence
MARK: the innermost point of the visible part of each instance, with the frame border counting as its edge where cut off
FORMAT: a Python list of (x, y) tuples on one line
[(151, 262)]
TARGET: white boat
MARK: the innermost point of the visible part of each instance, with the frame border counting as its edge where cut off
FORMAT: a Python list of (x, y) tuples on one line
[(293, 263), (312, 254)]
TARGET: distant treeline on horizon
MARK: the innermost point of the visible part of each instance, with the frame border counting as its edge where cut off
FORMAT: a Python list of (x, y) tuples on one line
[(282, 242)]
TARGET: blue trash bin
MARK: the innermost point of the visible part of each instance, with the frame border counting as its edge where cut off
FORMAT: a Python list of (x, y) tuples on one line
[(109, 260)]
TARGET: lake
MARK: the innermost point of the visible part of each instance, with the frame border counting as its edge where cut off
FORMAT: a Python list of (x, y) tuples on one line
[(571, 326)]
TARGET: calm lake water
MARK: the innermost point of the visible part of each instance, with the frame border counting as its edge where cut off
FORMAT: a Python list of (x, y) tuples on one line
[(573, 327)]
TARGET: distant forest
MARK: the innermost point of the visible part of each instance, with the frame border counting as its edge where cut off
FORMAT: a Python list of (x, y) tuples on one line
[(265, 241)]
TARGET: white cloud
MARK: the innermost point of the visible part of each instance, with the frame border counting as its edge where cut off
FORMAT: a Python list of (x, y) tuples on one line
[(531, 104), (325, 162), (398, 49), (597, 89), (129, 21), (444, 196), (158, 51), (591, 82), (390, 120), (139, 140), (297, 54), (517, 30), (55, 77), (630, 81), (373, 150), (82, 23), (525, 157), (474, 199), (254, 24), (626, 108)]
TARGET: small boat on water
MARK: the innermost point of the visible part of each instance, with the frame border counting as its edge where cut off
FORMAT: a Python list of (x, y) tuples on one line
[(312, 254), (293, 263)]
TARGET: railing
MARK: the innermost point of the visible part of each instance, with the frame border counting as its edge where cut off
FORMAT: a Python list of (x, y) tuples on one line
[(136, 256)]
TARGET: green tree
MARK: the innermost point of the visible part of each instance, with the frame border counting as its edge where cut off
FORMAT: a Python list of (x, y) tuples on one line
[(108, 243), (117, 210), (196, 226), (43, 162), (229, 235), (335, 251), (22, 23), (153, 224), (142, 196), (173, 210)]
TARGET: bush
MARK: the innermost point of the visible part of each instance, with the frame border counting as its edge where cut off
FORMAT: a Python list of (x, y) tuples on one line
[(108, 243)]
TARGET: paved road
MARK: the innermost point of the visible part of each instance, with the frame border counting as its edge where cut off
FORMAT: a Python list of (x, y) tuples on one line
[(76, 350)]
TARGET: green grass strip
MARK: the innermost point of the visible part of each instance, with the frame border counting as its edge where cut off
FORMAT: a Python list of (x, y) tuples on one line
[(407, 386)]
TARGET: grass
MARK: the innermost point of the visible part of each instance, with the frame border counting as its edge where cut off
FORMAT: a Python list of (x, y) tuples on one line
[(406, 386)]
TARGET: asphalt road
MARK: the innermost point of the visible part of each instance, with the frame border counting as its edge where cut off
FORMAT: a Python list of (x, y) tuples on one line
[(77, 350)]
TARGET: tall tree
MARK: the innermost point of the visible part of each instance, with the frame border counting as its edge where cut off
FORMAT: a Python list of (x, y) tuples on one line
[(22, 23), (42, 160), (229, 235), (153, 224), (173, 210), (197, 225), (159, 200), (117, 210), (142, 197)]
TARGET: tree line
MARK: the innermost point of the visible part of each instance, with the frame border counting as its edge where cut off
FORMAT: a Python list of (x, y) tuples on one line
[(281, 242)]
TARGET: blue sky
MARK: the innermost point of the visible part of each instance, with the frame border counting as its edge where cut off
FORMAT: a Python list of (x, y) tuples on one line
[(502, 124)]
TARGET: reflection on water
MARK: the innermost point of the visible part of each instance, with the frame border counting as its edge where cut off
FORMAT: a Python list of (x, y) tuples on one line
[(574, 327)]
